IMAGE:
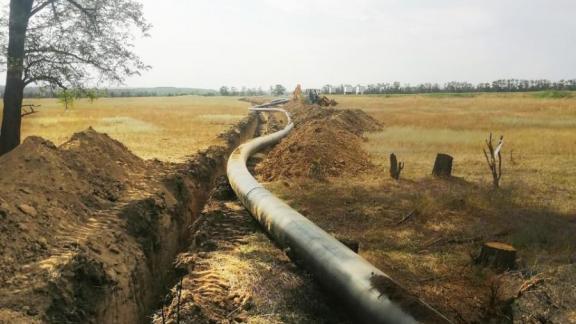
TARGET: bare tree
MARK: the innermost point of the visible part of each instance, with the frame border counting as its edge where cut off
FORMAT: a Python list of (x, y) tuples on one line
[(494, 159), (66, 44)]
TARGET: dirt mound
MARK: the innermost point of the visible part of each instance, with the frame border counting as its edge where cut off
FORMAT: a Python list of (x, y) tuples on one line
[(89, 231), (326, 142), (354, 120), (44, 188), (47, 195)]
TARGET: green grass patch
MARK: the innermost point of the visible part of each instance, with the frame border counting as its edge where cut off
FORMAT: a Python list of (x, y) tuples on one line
[(451, 94), (553, 94)]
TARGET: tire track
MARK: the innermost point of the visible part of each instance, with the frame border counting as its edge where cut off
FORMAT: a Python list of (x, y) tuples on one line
[(235, 274)]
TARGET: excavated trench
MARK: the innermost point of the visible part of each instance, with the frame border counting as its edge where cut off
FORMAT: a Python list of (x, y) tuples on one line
[(167, 230), (94, 234), (90, 231), (233, 272)]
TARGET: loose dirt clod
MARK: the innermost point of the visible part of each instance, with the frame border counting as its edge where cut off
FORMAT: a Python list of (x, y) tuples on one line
[(325, 143)]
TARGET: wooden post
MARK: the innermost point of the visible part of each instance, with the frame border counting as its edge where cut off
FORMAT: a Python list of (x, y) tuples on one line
[(395, 167), (497, 255), (442, 165)]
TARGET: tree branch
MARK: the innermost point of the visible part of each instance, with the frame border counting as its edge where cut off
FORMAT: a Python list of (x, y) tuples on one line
[(41, 6), (79, 7), (46, 78), (75, 56)]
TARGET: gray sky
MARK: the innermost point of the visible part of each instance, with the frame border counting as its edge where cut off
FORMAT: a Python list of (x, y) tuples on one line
[(209, 43)]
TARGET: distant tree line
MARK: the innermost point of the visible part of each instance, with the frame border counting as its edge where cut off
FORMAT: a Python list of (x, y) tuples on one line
[(503, 85), (45, 92), (277, 90), (244, 91)]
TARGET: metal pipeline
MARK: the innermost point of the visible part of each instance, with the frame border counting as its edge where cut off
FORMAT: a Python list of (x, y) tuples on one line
[(337, 267)]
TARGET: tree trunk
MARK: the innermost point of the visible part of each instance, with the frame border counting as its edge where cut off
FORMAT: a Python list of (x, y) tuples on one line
[(497, 255), (13, 93), (442, 165)]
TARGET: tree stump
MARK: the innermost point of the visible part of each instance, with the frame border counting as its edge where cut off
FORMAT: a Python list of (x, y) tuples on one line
[(497, 255), (395, 167), (443, 165)]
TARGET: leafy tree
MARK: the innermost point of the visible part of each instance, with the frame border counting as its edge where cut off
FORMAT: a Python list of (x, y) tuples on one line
[(224, 91), (66, 44), (279, 90), (92, 94), (66, 97)]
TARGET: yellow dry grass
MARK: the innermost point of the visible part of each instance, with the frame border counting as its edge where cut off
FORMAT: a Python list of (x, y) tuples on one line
[(166, 128), (539, 135)]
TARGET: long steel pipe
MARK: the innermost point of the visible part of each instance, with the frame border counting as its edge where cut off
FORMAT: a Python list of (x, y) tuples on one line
[(337, 267)]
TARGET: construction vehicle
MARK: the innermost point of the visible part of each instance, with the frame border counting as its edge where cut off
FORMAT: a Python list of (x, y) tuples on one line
[(313, 97)]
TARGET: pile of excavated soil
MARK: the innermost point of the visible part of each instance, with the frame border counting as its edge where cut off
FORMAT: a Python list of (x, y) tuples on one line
[(45, 190), (89, 231), (354, 120), (325, 143), (49, 202)]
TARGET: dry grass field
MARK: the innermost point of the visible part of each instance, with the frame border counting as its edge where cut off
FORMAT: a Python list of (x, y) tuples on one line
[(539, 139), (430, 252), (166, 128)]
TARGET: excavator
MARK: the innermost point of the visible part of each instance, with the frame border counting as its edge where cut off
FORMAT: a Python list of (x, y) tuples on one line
[(312, 96)]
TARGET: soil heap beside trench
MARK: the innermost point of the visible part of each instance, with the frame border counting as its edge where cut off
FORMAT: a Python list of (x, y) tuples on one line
[(89, 231), (325, 142)]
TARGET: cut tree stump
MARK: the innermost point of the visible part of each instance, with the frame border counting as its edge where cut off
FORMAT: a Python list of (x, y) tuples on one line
[(500, 256), (443, 165), (395, 167)]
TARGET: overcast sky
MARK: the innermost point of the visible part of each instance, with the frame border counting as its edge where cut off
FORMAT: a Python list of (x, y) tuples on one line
[(209, 43)]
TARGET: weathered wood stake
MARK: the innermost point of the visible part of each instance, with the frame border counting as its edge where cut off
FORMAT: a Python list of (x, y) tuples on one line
[(443, 165), (395, 167)]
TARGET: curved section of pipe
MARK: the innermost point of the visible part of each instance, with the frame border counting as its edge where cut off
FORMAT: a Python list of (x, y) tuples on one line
[(336, 266)]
